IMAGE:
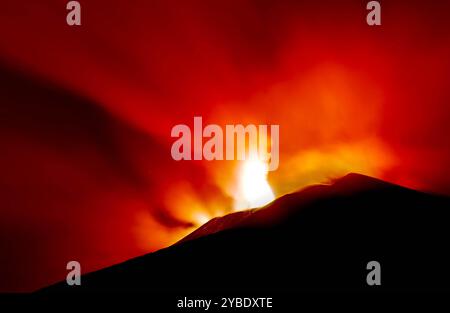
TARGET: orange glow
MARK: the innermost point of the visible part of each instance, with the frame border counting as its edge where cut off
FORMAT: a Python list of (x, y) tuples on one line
[(328, 120), (151, 235), (318, 165)]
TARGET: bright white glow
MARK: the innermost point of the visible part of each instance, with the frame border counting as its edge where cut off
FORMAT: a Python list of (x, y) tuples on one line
[(254, 187), (201, 218)]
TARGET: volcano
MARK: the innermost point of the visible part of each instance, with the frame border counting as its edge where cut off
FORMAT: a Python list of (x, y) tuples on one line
[(319, 238)]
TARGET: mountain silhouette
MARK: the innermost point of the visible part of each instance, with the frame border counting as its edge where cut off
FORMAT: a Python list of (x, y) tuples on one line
[(320, 238)]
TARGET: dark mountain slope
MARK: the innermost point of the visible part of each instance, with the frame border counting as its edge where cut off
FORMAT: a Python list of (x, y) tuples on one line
[(319, 238)]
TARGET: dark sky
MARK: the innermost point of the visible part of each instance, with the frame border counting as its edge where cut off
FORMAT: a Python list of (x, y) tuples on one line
[(85, 114)]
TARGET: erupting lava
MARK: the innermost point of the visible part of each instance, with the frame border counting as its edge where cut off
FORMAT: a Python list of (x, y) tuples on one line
[(254, 189)]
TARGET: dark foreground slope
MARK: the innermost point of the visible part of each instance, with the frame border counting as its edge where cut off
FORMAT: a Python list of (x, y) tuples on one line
[(319, 238)]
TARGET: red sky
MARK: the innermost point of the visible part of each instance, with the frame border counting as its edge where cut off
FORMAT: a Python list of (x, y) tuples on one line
[(86, 113)]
